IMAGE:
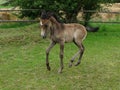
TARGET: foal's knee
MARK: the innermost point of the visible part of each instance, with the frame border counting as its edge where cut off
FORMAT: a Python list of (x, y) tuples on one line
[(82, 49), (47, 52), (61, 55)]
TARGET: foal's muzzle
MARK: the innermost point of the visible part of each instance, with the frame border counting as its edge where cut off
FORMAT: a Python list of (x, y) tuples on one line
[(43, 34), (43, 37)]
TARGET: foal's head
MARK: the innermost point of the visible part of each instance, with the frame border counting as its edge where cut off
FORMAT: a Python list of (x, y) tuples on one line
[(46, 22), (45, 27)]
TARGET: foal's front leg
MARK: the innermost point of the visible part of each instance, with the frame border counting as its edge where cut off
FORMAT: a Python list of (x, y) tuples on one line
[(47, 54), (61, 56)]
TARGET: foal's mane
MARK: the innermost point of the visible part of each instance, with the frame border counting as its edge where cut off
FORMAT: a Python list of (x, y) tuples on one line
[(53, 17)]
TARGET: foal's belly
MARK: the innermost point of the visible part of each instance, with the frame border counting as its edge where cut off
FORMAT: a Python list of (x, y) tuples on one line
[(68, 37)]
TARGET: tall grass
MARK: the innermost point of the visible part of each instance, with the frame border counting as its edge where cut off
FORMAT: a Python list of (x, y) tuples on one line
[(22, 61), (13, 25)]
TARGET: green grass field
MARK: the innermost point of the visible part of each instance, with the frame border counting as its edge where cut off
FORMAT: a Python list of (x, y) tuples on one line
[(22, 60)]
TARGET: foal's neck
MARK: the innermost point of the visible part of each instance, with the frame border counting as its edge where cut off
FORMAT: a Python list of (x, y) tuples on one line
[(55, 23)]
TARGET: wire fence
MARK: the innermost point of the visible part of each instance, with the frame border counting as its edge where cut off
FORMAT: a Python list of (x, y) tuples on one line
[(4, 21), (86, 11)]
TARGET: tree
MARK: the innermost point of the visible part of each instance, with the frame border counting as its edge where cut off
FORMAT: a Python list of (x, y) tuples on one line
[(68, 8)]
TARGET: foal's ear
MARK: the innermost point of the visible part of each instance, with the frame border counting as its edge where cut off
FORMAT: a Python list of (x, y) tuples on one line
[(43, 14), (49, 14)]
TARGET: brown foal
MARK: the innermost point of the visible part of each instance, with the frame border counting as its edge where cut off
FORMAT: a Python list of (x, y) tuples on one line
[(62, 33)]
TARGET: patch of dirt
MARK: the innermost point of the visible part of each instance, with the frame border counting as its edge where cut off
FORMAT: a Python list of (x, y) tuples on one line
[(4, 15), (7, 16)]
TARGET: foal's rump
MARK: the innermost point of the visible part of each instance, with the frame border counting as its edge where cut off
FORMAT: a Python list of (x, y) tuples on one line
[(74, 31)]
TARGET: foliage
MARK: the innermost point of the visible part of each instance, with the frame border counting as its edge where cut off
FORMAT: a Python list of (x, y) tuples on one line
[(117, 1), (68, 8)]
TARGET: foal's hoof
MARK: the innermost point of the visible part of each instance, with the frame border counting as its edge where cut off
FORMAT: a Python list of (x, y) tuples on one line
[(59, 71), (77, 63), (48, 68), (70, 65)]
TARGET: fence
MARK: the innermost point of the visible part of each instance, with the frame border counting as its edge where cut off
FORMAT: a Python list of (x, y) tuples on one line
[(87, 11)]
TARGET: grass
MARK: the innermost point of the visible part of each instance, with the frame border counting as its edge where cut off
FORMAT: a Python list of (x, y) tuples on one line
[(22, 61), (13, 25)]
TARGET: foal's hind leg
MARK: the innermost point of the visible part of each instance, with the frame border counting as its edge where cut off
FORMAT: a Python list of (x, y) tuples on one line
[(73, 58), (47, 54), (81, 53)]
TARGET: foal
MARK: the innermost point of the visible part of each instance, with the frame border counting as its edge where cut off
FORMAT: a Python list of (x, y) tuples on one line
[(63, 33)]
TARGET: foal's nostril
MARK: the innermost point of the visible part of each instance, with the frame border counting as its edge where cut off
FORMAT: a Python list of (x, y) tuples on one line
[(43, 36)]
